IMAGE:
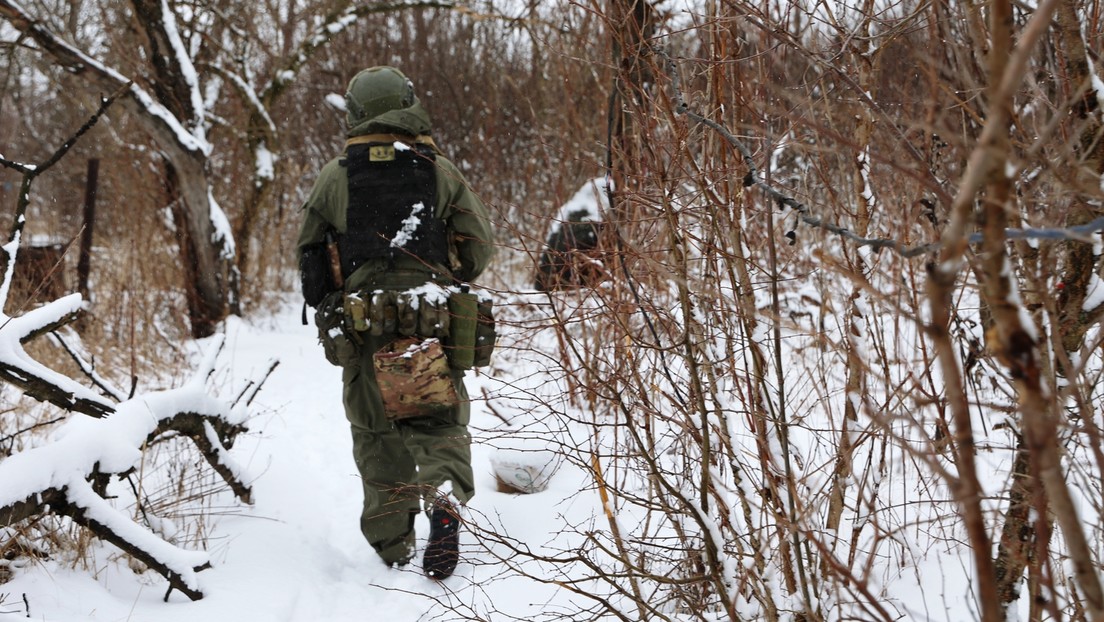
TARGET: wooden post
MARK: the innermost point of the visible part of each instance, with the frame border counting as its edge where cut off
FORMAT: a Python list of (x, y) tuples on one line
[(84, 263)]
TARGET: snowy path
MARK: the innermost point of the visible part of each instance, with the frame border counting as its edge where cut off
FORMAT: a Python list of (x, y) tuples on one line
[(297, 554)]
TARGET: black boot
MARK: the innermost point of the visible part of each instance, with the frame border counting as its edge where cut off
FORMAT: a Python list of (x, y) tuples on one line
[(443, 549)]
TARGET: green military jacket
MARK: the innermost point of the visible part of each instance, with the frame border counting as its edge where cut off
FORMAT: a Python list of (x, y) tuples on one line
[(469, 229)]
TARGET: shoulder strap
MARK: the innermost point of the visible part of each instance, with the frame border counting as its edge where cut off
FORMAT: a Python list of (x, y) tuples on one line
[(371, 139)]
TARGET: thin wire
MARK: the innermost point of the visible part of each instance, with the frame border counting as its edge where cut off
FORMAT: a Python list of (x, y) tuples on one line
[(1080, 233)]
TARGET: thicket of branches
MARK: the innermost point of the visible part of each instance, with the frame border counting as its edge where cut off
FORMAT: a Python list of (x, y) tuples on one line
[(820, 359), (822, 353)]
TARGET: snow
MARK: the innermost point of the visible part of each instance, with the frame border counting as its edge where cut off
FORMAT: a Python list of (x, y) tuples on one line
[(336, 101), (586, 205), (1098, 84), (266, 162), (341, 24), (11, 249), (13, 329), (221, 225), (1094, 296), (113, 442), (298, 554), (409, 226), (180, 561), (183, 136), (187, 70), (432, 293)]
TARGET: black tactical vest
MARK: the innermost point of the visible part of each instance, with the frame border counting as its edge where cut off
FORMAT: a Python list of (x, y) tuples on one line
[(392, 206)]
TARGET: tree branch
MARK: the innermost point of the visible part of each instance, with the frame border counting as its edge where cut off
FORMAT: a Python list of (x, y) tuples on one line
[(211, 435), (806, 215)]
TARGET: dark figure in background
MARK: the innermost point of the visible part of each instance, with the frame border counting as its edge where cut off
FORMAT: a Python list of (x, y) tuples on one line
[(571, 257)]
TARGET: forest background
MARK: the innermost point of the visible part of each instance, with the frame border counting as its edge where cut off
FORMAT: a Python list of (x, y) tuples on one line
[(843, 310)]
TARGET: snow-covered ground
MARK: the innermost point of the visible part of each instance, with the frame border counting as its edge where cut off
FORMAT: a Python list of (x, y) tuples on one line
[(297, 554)]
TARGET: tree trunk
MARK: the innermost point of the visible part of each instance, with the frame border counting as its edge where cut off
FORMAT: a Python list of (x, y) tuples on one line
[(170, 123), (204, 267), (84, 262)]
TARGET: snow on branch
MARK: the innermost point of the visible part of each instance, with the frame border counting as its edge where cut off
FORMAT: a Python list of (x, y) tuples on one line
[(54, 478), (335, 22), (70, 342), (184, 67), (16, 367), (160, 119), (68, 476), (35, 379), (1082, 233)]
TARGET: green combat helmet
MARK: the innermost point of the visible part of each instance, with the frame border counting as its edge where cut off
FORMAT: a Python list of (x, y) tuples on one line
[(383, 99)]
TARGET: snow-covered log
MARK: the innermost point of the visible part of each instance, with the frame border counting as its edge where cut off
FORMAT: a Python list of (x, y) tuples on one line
[(54, 478), (86, 508), (213, 436), (69, 475)]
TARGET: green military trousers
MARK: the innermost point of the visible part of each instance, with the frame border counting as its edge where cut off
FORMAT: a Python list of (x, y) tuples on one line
[(403, 462)]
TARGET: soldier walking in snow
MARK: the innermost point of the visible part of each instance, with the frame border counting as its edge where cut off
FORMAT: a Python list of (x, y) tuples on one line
[(391, 235)]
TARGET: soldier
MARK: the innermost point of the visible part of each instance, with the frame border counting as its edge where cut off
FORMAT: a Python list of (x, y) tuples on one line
[(390, 231)]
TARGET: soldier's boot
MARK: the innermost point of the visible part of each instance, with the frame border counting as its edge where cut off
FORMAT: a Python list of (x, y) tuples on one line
[(397, 553), (442, 552)]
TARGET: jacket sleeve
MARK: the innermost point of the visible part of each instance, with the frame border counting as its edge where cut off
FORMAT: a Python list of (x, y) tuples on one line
[(323, 210), (471, 239), (319, 211)]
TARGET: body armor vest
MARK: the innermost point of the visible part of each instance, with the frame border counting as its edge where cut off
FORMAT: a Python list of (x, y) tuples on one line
[(392, 207)]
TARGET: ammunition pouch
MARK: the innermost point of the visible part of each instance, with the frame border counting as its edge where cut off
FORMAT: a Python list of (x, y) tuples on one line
[(485, 334), (463, 324), (472, 333), (340, 347), (406, 314), (414, 379)]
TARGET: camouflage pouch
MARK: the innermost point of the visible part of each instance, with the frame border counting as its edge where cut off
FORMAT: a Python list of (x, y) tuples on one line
[(329, 318), (413, 378), (385, 305)]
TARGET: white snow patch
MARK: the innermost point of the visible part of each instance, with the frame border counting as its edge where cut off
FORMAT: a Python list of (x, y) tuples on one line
[(409, 226), (187, 69), (586, 205), (265, 162), (336, 101), (1094, 295), (221, 224)]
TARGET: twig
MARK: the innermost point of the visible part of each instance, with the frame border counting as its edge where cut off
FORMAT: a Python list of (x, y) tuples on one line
[(1082, 233), (89, 369), (40, 424), (249, 392)]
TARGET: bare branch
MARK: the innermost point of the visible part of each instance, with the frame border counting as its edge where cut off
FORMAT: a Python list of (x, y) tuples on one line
[(88, 367), (211, 436), (806, 215)]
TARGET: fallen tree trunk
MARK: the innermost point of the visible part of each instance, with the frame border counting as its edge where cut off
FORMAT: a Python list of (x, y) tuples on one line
[(90, 511), (57, 478)]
